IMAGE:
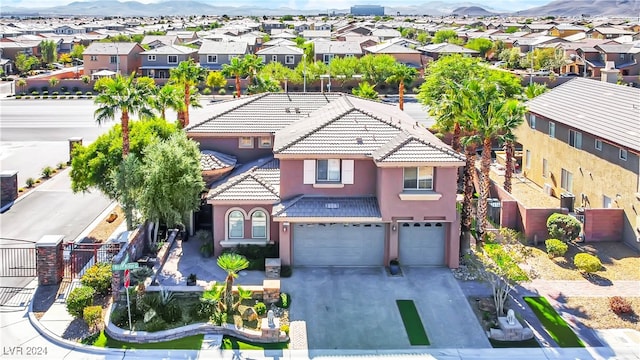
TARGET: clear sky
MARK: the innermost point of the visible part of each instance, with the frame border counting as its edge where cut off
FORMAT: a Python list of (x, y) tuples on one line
[(507, 5)]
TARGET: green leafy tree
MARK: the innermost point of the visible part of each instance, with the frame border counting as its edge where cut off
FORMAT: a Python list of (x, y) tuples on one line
[(480, 45), (534, 89), (65, 59), (264, 84), (511, 57), (26, 63), (366, 91), (77, 51), (168, 97), (404, 76), (543, 58), (172, 180), (563, 227), (215, 79), (377, 68), (235, 69), (21, 83), (344, 67), (231, 263), (122, 94), (48, 51), (513, 116), (187, 75), (446, 35), (423, 37), (276, 71), (313, 70)]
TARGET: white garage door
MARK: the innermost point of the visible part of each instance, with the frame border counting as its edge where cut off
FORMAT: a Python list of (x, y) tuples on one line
[(338, 244), (421, 243)]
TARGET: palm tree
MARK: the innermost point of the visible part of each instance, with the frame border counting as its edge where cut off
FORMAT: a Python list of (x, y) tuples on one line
[(534, 89), (235, 68), (365, 91), (124, 95), (448, 113), (168, 96), (231, 263), (252, 64), (404, 76), (513, 116), (187, 74)]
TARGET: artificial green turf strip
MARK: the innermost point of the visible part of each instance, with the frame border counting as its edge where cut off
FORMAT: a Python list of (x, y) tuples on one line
[(412, 322), (231, 343), (553, 322), (187, 343)]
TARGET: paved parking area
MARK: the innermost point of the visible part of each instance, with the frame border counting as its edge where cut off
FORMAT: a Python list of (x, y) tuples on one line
[(354, 308)]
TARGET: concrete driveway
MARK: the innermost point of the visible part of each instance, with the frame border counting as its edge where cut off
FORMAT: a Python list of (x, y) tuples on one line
[(355, 308)]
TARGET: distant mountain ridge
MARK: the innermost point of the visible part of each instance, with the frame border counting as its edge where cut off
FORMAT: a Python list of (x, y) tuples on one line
[(433, 8)]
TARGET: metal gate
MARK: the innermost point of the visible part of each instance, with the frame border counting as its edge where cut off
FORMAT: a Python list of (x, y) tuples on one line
[(78, 257), (18, 261)]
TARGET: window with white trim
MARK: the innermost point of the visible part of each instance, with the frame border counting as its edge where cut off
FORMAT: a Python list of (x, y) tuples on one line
[(575, 139), (566, 180), (552, 130), (418, 178), (622, 154), (113, 59), (598, 144), (151, 58), (263, 58), (212, 59), (236, 225), (274, 57), (328, 170), (172, 59), (93, 58), (245, 142), (289, 59), (327, 58), (532, 121), (264, 142), (259, 225)]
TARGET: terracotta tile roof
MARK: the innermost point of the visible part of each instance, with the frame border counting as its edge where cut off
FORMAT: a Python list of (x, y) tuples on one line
[(407, 147), (258, 180), (328, 207), (213, 160)]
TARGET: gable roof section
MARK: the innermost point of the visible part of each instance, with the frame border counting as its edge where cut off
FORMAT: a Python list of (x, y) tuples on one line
[(446, 48), (170, 50), (309, 206), (121, 48), (223, 47), (608, 111), (280, 50), (390, 48), (408, 148), (213, 160), (257, 181), (338, 47)]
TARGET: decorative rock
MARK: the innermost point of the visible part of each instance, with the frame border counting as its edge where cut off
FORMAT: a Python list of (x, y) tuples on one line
[(250, 314), (487, 305), (271, 291)]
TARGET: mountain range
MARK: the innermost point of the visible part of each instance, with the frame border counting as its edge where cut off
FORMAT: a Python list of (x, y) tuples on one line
[(433, 8)]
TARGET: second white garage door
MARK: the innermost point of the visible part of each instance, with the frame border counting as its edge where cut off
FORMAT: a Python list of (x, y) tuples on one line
[(421, 243), (338, 244)]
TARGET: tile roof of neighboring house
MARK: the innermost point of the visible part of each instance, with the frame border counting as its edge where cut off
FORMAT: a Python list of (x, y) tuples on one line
[(328, 207), (387, 33), (279, 42), (257, 180), (338, 47), (223, 47), (282, 35), (407, 147), (608, 111), (109, 48), (165, 39), (446, 48), (276, 110), (170, 50), (390, 48), (213, 160), (614, 48), (280, 50), (611, 31), (316, 33)]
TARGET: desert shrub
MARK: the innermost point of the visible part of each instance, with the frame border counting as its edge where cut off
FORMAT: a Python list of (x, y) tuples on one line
[(140, 274), (47, 171), (120, 317), (255, 254), (30, 182), (61, 165), (78, 299), (285, 271), (157, 324), (85, 79), (88, 93), (206, 91), (620, 305), (284, 301), (587, 263), (18, 97), (563, 227), (21, 190), (78, 93), (55, 93), (285, 328), (171, 312), (35, 92), (260, 308), (67, 93), (98, 277), (92, 316), (44, 89), (556, 247), (222, 92)]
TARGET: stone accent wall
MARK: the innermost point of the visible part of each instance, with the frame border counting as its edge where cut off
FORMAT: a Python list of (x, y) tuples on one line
[(73, 142), (603, 224), (49, 260), (8, 186), (272, 268), (271, 291)]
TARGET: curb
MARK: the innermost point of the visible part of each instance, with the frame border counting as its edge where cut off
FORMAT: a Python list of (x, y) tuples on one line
[(95, 222), (28, 193)]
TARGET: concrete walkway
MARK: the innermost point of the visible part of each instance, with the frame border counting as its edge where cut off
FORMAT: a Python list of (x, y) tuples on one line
[(583, 288)]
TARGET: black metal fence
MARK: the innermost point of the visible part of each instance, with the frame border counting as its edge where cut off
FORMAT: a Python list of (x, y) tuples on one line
[(17, 262), (80, 257)]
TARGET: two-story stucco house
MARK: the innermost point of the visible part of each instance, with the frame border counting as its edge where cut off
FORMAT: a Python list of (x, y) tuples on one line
[(214, 54), (334, 180), (287, 55), (157, 63), (122, 58)]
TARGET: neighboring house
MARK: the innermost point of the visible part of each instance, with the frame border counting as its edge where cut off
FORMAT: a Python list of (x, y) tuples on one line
[(123, 58), (275, 42), (529, 44), (332, 179), (288, 56), (7, 66), (316, 34), (155, 41), (269, 25), (582, 138), (404, 55), (157, 63), (435, 51), (607, 33), (327, 50), (69, 30), (564, 30), (624, 56), (385, 34), (214, 54)]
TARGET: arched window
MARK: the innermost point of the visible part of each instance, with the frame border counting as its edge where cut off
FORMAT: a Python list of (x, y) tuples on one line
[(259, 225), (236, 225)]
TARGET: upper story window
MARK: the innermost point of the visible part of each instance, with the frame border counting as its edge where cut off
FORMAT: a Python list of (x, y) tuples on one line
[(328, 170), (264, 142), (552, 130), (274, 57), (245, 142), (113, 59), (623, 154), (532, 121), (93, 58), (598, 144), (263, 58), (289, 59), (236, 225), (259, 224), (172, 59), (575, 139), (327, 58), (418, 178), (212, 59), (151, 57)]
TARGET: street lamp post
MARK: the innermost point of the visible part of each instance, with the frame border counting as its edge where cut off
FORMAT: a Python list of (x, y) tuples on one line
[(304, 73), (533, 54)]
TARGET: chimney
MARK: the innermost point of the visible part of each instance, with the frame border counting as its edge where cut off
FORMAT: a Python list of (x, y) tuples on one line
[(609, 73)]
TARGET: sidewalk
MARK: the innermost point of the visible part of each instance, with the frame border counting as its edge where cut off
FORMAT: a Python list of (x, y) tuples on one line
[(583, 288)]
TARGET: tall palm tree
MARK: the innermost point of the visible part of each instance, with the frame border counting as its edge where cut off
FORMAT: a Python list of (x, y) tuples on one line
[(231, 263), (168, 96), (512, 117), (448, 113), (235, 68), (124, 95), (187, 75), (404, 76), (252, 64)]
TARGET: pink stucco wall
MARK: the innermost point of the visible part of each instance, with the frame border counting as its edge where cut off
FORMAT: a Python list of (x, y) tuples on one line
[(229, 145), (291, 183), (219, 223)]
